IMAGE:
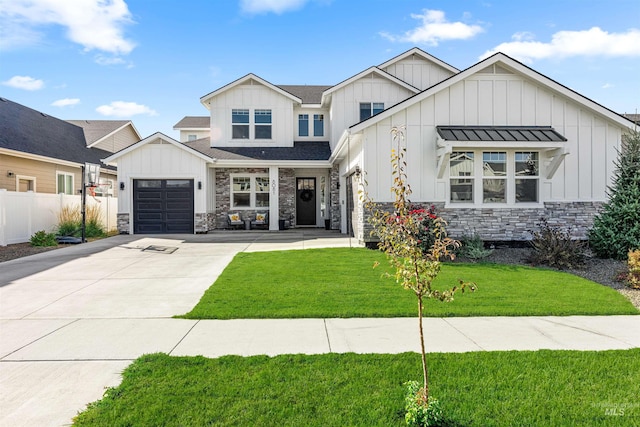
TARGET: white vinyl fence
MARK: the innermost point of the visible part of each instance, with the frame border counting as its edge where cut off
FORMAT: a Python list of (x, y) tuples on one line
[(22, 214)]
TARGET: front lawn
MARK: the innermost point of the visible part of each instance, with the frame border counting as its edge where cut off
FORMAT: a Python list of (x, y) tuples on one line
[(543, 388), (340, 282)]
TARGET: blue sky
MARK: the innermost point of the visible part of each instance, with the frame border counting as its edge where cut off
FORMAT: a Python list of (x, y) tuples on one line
[(151, 61)]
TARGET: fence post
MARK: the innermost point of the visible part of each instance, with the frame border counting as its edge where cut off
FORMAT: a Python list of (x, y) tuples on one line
[(3, 216)]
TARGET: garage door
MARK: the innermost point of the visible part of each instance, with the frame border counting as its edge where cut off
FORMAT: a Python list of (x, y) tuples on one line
[(162, 206)]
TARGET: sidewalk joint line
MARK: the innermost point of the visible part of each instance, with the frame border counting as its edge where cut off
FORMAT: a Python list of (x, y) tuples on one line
[(326, 332), (39, 338), (463, 334), (185, 335)]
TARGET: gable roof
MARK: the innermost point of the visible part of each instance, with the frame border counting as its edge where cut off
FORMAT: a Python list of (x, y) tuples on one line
[(96, 131), (301, 151), (113, 157), (371, 70), (424, 55), (310, 94), (510, 64), (205, 99), (25, 130), (194, 122)]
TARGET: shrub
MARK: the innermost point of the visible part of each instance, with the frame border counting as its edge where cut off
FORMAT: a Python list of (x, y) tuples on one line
[(69, 220), (93, 223), (418, 413), (554, 247), (633, 278), (42, 238), (473, 247), (616, 230)]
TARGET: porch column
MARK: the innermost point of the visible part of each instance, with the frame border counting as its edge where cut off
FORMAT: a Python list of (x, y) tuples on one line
[(274, 198)]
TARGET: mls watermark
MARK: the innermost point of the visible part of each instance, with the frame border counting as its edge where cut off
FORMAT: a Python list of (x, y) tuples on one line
[(617, 409)]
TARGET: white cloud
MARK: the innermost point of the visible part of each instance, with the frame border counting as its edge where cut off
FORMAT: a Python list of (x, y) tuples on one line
[(266, 6), (607, 86), (125, 109), (94, 24), (65, 102), (563, 44), (24, 82), (435, 29)]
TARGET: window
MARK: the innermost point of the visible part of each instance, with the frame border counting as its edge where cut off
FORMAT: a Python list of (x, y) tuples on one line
[(461, 164), (192, 137), (318, 125), (494, 173), (263, 124), (249, 191), (526, 177), (303, 125), (65, 183), (507, 177), (368, 109), (240, 124)]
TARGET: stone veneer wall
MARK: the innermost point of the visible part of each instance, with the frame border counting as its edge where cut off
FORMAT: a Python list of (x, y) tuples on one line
[(334, 198), (223, 197), (511, 224), (123, 223), (287, 195), (201, 224)]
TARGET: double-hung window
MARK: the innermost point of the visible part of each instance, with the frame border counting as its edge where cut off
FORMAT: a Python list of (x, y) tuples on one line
[(368, 109), (262, 119), (249, 191), (65, 183), (240, 124), (492, 177), (318, 125), (303, 125)]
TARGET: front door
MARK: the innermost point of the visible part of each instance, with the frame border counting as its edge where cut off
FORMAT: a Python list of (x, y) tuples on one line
[(305, 201)]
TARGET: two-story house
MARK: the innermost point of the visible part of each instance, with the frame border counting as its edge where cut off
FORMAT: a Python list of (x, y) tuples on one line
[(494, 147)]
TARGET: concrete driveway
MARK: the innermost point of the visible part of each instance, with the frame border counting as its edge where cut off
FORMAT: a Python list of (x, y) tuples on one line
[(72, 319)]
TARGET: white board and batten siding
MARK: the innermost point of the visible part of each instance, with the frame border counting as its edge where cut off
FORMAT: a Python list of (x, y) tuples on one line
[(345, 102), (161, 160), (251, 95), (498, 99), (418, 72)]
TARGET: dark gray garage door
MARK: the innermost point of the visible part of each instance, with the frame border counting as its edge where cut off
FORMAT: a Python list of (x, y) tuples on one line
[(162, 206)]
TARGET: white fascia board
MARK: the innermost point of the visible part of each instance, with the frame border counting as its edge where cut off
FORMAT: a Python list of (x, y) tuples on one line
[(192, 128), (158, 135), (300, 164), (39, 158), (374, 70), (340, 152), (205, 99), (423, 54)]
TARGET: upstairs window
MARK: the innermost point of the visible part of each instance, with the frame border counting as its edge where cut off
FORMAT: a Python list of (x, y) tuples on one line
[(262, 119), (240, 124), (318, 125), (368, 109), (192, 137), (303, 125)]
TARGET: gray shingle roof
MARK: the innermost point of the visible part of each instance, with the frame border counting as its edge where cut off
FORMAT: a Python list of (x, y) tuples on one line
[(97, 129), (190, 122), (309, 94), (30, 131), (300, 151), (499, 133)]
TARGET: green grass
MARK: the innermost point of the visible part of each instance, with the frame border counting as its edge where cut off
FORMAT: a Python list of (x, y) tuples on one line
[(340, 282), (543, 388)]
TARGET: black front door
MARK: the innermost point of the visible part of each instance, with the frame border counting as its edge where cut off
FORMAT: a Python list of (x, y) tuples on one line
[(306, 201)]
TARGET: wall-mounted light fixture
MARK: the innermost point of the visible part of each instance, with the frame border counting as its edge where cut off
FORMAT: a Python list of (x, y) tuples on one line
[(199, 185), (10, 174), (122, 186), (357, 171)]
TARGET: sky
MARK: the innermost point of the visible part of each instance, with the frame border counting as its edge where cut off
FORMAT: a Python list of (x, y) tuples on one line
[(150, 61)]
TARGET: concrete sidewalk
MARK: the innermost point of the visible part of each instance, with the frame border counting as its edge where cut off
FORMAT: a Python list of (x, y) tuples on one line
[(72, 319)]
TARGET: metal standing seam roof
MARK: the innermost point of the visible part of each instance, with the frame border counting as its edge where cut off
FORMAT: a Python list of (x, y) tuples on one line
[(500, 133)]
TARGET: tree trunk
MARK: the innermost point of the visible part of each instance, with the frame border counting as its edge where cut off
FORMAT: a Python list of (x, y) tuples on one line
[(424, 355)]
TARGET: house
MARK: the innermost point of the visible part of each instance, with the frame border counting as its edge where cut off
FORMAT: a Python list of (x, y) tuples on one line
[(44, 154), (494, 147)]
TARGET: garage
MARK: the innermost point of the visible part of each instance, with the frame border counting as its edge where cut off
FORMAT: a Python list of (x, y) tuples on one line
[(163, 206)]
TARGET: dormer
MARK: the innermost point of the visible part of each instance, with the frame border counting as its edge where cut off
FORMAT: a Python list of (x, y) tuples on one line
[(418, 68)]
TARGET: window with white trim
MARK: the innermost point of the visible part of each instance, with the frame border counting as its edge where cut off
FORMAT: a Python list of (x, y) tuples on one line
[(245, 125), (64, 183), (494, 177), (368, 109), (249, 191), (303, 125), (240, 123), (192, 137), (262, 120), (318, 125)]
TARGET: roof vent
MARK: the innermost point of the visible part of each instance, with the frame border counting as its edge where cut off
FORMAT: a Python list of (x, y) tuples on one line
[(3, 99), (44, 115)]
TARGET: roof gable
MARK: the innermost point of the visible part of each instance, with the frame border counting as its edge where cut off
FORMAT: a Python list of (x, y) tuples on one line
[(371, 70), (113, 158), (96, 131), (424, 55), (503, 64), (194, 122), (243, 80)]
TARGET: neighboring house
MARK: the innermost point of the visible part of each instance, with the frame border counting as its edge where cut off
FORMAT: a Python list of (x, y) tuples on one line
[(43, 154), (494, 147), (635, 118)]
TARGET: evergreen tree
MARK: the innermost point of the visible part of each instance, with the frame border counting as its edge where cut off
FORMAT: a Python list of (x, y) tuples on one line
[(616, 230)]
